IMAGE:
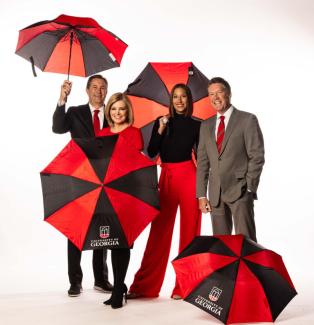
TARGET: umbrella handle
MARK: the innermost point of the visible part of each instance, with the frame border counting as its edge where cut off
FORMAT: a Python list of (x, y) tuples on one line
[(71, 42), (33, 66)]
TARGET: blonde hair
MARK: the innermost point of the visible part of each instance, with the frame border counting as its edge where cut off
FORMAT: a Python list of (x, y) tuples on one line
[(115, 98)]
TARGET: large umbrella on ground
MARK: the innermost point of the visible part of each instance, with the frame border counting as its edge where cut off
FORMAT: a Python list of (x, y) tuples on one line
[(100, 192), (234, 279), (150, 93), (70, 45)]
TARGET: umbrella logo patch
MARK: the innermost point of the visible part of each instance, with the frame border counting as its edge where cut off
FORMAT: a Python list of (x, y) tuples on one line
[(214, 294), (104, 231)]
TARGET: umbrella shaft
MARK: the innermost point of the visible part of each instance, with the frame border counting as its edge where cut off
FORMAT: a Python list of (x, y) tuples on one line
[(71, 42)]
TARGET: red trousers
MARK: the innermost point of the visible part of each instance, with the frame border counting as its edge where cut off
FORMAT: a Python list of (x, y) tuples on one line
[(177, 185)]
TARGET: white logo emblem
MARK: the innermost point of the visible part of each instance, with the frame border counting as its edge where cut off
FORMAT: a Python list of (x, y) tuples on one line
[(215, 294), (104, 231)]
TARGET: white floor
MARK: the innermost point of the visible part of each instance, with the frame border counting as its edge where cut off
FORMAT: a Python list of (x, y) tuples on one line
[(53, 307)]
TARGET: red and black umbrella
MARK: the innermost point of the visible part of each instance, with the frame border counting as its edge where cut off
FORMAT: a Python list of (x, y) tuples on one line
[(150, 93), (70, 45), (100, 192), (234, 279)]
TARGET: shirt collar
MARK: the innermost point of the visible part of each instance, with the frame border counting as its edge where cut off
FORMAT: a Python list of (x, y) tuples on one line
[(227, 113), (92, 108)]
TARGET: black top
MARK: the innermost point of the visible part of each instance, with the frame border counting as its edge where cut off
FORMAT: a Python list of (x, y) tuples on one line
[(177, 141)]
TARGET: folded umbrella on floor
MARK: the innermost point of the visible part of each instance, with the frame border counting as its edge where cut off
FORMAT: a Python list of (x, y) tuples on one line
[(70, 45), (234, 279), (100, 192)]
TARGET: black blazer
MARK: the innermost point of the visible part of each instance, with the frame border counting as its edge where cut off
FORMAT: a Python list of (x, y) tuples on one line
[(77, 120)]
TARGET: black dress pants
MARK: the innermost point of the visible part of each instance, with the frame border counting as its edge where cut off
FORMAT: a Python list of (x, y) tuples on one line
[(99, 265)]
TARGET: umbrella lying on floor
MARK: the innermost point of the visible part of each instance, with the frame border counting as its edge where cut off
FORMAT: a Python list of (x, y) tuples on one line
[(100, 192), (71, 45), (234, 279)]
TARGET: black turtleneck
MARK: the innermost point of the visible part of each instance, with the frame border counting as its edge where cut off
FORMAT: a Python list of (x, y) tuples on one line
[(177, 141)]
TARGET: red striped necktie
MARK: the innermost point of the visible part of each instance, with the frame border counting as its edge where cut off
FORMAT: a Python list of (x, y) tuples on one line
[(220, 133), (96, 122)]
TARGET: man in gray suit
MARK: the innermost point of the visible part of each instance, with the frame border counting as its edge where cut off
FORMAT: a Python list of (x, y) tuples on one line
[(230, 160)]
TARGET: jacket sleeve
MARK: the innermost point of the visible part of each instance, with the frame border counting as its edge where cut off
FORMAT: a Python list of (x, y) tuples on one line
[(203, 165), (254, 143), (155, 141), (61, 120)]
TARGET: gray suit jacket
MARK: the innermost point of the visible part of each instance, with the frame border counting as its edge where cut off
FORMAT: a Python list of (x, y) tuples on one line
[(238, 166)]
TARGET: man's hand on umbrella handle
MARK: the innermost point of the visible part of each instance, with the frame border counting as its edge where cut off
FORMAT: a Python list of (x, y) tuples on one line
[(163, 123), (65, 91), (204, 205)]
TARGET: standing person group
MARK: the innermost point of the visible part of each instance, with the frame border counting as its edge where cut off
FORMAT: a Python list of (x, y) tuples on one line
[(229, 151)]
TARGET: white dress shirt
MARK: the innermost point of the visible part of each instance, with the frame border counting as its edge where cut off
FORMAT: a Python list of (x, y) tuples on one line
[(227, 115), (101, 114)]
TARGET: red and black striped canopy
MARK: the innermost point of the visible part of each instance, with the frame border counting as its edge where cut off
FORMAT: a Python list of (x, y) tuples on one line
[(150, 93), (234, 279), (100, 192), (47, 44)]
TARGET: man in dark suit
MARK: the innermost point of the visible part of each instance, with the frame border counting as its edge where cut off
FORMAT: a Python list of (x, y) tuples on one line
[(80, 122), (230, 160)]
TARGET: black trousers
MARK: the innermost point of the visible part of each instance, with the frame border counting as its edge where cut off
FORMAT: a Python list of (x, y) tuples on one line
[(74, 265)]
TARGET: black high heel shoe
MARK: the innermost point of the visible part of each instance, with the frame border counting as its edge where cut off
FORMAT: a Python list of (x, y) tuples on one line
[(117, 296), (108, 302)]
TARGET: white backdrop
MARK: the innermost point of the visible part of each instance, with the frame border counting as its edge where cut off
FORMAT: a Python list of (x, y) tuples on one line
[(265, 49)]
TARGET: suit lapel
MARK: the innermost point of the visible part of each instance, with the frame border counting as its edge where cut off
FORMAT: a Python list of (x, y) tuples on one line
[(87, 118), (230, 127), (211, 134)]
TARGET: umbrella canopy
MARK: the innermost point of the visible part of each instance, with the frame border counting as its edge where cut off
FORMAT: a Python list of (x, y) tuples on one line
[(150, 93), (100, 192), (70, 45), (234, 279)]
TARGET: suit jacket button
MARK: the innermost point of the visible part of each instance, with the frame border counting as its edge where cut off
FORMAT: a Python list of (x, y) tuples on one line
[(219, 158)]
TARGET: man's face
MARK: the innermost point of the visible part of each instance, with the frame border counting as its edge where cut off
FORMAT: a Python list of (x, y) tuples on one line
[(97, 92), (219, 97)]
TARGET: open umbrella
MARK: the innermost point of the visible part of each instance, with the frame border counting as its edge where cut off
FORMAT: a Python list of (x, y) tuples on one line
[(150, 93), (234, 279), (70, 45), (100, 192)]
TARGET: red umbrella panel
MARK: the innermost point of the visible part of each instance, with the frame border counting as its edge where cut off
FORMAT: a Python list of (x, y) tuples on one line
[(70, 45), (234, 279), (100, 192), (150, 93)]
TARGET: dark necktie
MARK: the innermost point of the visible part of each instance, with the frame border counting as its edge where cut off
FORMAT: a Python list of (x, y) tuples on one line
[(96, 122), (220, 133)]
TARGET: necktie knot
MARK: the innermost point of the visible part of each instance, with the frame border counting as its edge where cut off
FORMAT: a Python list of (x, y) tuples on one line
[(222, 118), (96, 111)]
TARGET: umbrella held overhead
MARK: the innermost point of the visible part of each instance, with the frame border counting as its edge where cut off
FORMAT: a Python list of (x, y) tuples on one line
[(70, 45)]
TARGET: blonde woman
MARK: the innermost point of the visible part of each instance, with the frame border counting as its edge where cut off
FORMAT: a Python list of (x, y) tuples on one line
[(119, 115)]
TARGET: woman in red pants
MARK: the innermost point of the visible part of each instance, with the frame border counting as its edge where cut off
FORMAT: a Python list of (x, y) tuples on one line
[(173, 137)]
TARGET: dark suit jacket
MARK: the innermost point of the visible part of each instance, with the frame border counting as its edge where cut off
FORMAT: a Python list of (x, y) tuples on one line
[(77, 120)]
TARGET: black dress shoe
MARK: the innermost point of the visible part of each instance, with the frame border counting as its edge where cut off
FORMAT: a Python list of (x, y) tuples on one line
[(103, 287), (75, 290)]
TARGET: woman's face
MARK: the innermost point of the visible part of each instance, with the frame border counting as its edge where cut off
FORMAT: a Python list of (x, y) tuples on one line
[(119, 112), (180, 100)]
